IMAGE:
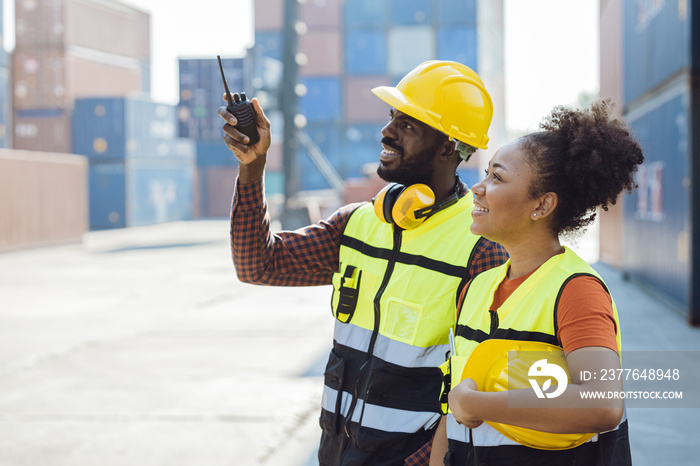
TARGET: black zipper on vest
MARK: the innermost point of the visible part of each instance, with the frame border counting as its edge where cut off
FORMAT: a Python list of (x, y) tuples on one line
[(494, 322), (375, 331), (385, 281)]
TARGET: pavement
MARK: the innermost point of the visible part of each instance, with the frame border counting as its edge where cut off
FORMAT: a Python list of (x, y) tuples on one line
[(140, 346)]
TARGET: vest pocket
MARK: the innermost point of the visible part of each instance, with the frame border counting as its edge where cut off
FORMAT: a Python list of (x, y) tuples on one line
[(413, 389), (351, 286), (334, 377)]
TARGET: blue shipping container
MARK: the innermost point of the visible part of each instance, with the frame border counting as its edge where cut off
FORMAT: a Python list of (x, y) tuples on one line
[(364, 13), (119, 128), (274, 183), (140, 192), (410, 12), (214, 153), (323, 101), (328, 140), (458, 44), (658, 212), (269, 44), (362, 146), (158, 191), (457, 11), (107, 189), (656, 42), (365, 52), (201, 90)]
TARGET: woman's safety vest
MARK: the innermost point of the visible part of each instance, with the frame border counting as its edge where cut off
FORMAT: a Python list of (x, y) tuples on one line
[(394, 299), (529, 314)]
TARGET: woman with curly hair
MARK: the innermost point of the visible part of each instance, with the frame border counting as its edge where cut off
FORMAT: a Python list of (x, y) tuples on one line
[(537, 188)]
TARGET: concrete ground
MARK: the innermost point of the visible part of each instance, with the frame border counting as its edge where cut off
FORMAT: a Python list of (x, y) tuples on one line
[(141, 347)]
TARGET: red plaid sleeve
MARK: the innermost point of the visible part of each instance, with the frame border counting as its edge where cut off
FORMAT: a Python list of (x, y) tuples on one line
[(487, 255), (421, 457), (303, 257)]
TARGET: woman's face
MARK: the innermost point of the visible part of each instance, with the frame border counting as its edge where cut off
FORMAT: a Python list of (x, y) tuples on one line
[(503, 207)]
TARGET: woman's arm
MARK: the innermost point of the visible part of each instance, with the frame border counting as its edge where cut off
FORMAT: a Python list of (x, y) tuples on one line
[(568, 413)]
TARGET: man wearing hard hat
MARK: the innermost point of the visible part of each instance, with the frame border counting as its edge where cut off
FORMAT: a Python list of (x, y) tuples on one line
[(396, 264)]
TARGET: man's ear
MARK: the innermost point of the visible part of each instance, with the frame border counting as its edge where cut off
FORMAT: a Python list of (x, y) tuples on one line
[(545, 207), (449, 150)]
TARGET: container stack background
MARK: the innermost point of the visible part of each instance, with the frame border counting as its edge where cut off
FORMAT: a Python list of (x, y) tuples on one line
[(657, 96), (647, 55), (81, 85), (67, 49), (201, 89), (349, 47), (5, 101), (141, 173)]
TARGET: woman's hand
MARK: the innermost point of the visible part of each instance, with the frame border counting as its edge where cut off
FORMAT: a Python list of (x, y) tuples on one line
[(460, 400)]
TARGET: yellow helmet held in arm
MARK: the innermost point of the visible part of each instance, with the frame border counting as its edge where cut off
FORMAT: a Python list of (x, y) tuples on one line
[(447, 96), (495, 370)]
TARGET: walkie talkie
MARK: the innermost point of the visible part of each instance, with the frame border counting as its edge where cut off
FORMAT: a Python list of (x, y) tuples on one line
[(242, 109)]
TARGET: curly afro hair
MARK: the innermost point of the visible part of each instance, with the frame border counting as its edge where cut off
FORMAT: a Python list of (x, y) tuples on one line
[(584, 156)]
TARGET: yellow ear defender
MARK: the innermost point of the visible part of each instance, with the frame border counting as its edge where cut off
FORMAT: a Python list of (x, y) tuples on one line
[(408, 206)]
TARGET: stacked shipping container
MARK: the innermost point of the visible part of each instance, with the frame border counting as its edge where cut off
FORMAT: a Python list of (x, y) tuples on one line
[(5, 101), (656, 94), (656, 48), (140, 173), (201, 89), (349, 47), (66, 49)]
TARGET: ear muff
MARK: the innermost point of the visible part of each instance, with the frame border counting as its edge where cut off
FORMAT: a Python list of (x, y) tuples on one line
[(384, 201), (405, 207), (409, 209)]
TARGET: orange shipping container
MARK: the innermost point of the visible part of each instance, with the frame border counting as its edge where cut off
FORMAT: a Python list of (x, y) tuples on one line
[(53, 78), (43, 199), (46, 130), (214, 191), (269, 14), (323, 52), (361, 106), (321, 13), (39, 78), (105, 25)]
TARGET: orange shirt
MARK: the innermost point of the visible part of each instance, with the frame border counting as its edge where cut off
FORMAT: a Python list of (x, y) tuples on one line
[(584, 316)]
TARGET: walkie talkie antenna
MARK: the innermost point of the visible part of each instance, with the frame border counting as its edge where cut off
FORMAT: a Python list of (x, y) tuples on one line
[(229, 98)]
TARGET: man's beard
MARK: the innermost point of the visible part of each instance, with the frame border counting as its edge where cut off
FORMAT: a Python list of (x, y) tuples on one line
[(419, 169)]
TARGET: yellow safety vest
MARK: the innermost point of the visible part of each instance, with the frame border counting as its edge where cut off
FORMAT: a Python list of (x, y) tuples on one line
[(394, 299), (529, 314)]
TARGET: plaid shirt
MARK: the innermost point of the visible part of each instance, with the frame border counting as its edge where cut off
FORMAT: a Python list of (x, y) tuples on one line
[(309, 256)]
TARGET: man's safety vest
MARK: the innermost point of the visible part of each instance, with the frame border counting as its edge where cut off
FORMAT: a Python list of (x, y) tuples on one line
[(394, 299), (529, 314)]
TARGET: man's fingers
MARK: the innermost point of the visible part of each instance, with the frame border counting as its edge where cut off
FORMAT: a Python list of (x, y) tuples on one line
[(259, 113), (228, 118)]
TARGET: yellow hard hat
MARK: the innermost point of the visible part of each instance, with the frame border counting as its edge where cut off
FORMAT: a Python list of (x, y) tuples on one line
[(494, 370), (447, 96)]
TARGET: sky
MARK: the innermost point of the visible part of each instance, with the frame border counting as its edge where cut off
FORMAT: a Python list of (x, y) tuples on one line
[(551, 48)]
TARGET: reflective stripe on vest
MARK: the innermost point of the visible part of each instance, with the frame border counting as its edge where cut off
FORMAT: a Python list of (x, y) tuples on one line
[(379, 417), (487, 436), (389, 350), (418, 303), (411, 279), (529, 313), (540, 291)]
